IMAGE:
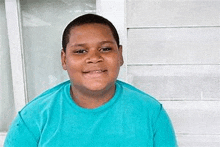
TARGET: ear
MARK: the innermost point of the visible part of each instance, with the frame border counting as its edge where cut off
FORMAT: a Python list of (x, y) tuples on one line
[(63, 59), (121, 56)]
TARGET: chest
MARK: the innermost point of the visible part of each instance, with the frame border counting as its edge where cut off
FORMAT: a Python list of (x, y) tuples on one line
[(120, 128)]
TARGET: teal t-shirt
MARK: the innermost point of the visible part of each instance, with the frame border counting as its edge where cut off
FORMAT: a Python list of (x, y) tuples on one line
[(130, 119)]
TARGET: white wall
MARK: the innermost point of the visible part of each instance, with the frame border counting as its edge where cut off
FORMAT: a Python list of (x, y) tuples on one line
[(173, 54)]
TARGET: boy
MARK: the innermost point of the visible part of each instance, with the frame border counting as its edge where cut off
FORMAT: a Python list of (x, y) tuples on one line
[(93, 108)]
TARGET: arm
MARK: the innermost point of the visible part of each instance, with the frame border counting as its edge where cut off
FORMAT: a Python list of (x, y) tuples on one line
[(164, 135), (19, 135)]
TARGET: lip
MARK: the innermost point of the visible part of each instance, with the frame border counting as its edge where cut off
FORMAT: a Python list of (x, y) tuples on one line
[(94, 73), (95, 70)]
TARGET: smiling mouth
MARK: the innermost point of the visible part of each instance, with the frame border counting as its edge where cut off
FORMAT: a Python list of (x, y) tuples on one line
[(94, 73)]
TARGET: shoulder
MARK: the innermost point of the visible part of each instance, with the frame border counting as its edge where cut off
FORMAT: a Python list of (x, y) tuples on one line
[(139, 104), (43, 105), (134, 93), (138, 101), (47, 97), (37, 112)]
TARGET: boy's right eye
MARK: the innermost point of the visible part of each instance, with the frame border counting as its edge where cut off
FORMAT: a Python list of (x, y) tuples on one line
[(80, 51)]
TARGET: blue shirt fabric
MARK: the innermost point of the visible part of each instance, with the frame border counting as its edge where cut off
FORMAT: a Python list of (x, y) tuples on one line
[(131, 118)]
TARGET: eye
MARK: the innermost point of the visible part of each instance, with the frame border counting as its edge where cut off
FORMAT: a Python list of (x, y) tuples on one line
[(106, 49), (80, 51)]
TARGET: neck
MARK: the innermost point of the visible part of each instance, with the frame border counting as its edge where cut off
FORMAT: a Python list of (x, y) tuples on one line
[(91, 99)]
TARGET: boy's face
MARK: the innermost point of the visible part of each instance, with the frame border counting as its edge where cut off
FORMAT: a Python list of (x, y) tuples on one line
[(92, 57)]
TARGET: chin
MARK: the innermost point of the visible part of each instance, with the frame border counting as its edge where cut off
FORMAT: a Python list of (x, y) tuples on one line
[(98, 85)]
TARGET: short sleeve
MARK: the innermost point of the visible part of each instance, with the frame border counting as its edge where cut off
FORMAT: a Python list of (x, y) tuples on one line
[(164, 135), (19, 135)]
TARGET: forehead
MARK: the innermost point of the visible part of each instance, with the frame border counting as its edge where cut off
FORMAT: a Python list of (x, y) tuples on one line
[(93, 29)]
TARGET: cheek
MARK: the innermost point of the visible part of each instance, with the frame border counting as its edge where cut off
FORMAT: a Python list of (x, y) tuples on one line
[(72, 66), (118, 62), (115, 66)]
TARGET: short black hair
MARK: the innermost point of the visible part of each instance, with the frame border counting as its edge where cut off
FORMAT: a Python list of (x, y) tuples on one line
[(88, 19)]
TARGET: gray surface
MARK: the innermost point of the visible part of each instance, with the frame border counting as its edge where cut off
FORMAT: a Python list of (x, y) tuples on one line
[(6, 90), (174, 46), (173, 54), (173, 13), (177, 82)]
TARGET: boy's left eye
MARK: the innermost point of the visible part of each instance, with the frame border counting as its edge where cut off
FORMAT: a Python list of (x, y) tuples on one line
[(106, 49)]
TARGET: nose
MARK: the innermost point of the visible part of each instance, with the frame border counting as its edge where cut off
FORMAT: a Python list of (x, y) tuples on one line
[(94, 57)]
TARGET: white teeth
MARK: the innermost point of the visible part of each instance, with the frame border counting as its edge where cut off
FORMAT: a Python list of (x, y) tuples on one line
[(97, 71)]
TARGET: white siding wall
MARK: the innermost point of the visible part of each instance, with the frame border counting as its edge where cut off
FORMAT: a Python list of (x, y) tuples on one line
[(174, 55)]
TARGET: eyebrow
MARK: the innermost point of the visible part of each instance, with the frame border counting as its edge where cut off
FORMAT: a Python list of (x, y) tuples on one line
[(84, 44), (103, 42), (75, 45)]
